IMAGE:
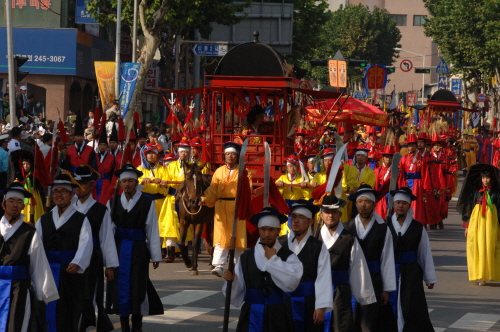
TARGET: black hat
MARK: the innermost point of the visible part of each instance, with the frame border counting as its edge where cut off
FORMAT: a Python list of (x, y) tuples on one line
[(269, 211), (114, 134), (331, 202), (305, 204), (404, 191), (17, 186), (63, 179), (84, 173), (103, 138), (232, 145), (142, 132), (46, 137), (363, 189), (128, 168), (78, 125)]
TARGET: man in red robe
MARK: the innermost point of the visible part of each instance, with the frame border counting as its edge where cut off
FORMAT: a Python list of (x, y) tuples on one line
[(79, 153), (436, 197), (383, 175), (106, 168), (351, 144)]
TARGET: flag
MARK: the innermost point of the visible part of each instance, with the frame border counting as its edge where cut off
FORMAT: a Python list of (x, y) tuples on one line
[(393, 105)]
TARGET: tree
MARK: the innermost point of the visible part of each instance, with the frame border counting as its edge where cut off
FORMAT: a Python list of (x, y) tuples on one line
[(162, 20), (358, 34)]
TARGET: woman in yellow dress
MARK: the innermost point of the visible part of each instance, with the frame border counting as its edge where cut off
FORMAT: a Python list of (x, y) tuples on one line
[(33, 207), (481, 225)]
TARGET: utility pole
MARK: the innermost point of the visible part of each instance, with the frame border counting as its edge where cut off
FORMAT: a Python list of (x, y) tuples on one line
[(10, 62), (134, 34), (118, 46)]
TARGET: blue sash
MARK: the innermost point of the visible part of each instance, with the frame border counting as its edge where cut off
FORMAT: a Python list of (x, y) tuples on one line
[(338, 278), (258, 302), (105, 176), (298, 302), (154, 197), (56, 258), (172, 191), (95, 240), (127, 237), (98, 188), (410, 177), (7, 274), (406, 257)]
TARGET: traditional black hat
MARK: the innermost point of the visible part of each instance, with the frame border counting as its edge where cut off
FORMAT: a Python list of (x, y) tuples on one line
[(269, 211), (17, 187), (63, 179), (114, 134), (103, 138), (78, 125), (302, 203), (363, 189), (405, 191), (331, 202), (84, 173), (234, 145), (128, 168), (142, 132)]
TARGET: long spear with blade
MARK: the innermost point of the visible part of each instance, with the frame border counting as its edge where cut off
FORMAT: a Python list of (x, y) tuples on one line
[(232, 245)]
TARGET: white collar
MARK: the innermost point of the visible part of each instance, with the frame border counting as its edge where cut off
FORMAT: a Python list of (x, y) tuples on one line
[(360, 228), (85, 206), (328, 238), (59, 221), (7, 230), (129, 205), (260, 255), (402, 228), (295, 246)]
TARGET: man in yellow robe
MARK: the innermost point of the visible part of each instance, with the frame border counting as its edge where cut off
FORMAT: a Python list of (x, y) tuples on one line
[(221, 194), (354, 176), (469, 148)]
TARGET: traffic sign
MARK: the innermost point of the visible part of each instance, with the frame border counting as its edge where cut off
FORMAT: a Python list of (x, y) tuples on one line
[(411, 98), (456, 86), (481, 97), (406, 65), (442, 82), (375, 77), (442, 67), (210, 50), (359, 94)]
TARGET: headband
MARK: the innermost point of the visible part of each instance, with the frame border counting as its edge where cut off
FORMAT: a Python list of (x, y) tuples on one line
[(14, 193), (362, 152), (328, 156), (128, 175), (290, 163), (230, 149), (183, 148), (402, 197), (270, 221), (65, 186), (311, 159), (303, 211), (370, 196)]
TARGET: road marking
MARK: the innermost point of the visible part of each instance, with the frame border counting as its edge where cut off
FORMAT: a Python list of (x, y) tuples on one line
[(232, 325), (430, 310), (186, 296), (454, 199), (439, 329), (232, 307), (476, 322), (176, 315)]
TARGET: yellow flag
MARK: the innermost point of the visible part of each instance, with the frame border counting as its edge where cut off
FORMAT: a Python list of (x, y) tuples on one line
[(105, 74)]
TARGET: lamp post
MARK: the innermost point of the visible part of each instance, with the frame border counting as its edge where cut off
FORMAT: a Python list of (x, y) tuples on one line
[(423, 65)]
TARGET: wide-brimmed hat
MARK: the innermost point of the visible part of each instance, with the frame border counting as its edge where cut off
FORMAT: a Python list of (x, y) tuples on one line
[(405, 191), (231, 146), (302, 203), (363, 189), (328, 152), (331, 202), (293, 158), (63, 179), (269, 211), (128, 168), (17, 187), (85, 173), (169, 156)]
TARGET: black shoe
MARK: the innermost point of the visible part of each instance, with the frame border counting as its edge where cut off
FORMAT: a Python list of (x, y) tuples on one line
[(440, 225), (433, 227)]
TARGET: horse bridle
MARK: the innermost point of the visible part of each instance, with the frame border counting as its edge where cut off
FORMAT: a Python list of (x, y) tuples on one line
[(184, 193)]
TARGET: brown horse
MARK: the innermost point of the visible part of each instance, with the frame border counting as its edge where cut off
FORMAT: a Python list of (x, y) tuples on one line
[(191, 212)]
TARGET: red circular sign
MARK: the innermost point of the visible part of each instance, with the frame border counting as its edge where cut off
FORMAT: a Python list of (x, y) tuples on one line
[(406, 65)]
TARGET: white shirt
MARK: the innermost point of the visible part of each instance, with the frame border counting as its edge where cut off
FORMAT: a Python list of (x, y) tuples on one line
[(387, 267), (85, 244), (106, 234), (13, 145), (359, 275), (323, 282), (45, 149), (285, 274)]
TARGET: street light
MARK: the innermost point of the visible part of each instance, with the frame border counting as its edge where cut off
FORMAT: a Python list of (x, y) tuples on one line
[(423, 65)]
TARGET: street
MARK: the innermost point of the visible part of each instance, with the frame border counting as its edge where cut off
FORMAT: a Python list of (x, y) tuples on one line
[(455, 304)]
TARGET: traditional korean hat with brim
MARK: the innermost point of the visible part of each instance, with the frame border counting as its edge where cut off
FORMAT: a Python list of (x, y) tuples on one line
[(328, 152), (128, 169), (85, 173), (169, 156), (114, 134), (293, 159), (422, 136), (195, 141), (269, 216), (64, 180), (389, 150), (232, 147), (362, 151), (364, 190), (331, 202), (16, 189), (302, 205), (103, 137), (151, 147), (404, 191), (78, 125), (184, 144)]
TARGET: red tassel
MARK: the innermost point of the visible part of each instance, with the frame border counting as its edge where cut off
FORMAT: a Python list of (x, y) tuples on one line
[(97, 116), (121, 130), (137, 120), (245, 210), (127, 158), (62, 132), (102, 125), (275, 198), (204, 152)]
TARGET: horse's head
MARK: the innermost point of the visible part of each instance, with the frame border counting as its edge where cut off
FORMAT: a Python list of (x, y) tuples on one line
[(194, 185)]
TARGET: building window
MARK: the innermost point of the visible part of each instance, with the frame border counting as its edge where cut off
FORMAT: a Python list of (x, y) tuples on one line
[(400, 20), (419, 20)]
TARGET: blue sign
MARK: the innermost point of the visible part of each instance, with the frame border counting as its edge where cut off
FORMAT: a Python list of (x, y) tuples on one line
[(442, 68), (129, 71), (442, 82), (481, 98), (456, 86), (359, 94), (210, 50), (82, 15)]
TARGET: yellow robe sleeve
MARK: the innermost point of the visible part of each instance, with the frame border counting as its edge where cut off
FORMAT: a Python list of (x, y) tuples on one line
[(152, 188)]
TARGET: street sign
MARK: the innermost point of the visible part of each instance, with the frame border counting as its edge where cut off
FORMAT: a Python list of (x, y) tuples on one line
[(332, 72), (442, 67), (442, 82), (481, 98), (406, 65), (456, 86), (375, 77), (210, 50), (359, 94), (411, 98), (342, 72)]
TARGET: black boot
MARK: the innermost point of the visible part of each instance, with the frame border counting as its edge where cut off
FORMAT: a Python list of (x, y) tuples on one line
[(170, 255), (125, 323), (136, 323)]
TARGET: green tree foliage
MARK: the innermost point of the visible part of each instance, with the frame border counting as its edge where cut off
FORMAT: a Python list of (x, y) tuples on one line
[(358, 34)]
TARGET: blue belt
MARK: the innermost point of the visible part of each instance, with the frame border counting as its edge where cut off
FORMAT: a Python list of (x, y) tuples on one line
[(105, 176), (172, 191), (298, 302), (406, 257), (338, 278), (56, 258), (466, 150), (127, 237), (404, 146), (373, 266), (7, 274), (227, 198), (95, 240), (258, 302), (154, 197), (73, 169), (413, 176)]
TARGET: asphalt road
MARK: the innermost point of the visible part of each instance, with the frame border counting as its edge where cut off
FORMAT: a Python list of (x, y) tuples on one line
[(195, 303)]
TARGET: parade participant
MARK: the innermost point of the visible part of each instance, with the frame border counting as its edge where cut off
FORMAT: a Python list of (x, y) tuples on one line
[(375, 240), (137, 241), (67, 240), (312, 298), (421, 145), (484, 142), (496, 151), (4, 160), (168, 158), (437, 206), (350, 274), (353, 177), (103, 254), (105, 166), (314, 177), (254, 126), (152, 175), (403, 145), (262, 276), (413, 173), (383, 175), (33, 207), (481, 223), (169, 219), (196, 156), (221, 194), (136, 154), (113, 146), (469, 147), (352, 145), (15, 142), (413, 258), (312, 167), (47, 144), (79, 153), (327, 157), (23, 264)]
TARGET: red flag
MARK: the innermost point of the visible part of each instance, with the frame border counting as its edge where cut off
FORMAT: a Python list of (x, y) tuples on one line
[(62, 132), (121, 130), (102, 125), (137, 120), (245, 210), (97, 117)]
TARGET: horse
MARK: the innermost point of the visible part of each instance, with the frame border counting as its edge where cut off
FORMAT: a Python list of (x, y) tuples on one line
[(188, 197)]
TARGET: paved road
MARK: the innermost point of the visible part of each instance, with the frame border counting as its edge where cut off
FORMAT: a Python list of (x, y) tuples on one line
[(456, 305)]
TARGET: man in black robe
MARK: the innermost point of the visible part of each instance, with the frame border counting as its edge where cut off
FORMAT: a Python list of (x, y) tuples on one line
[(313, 296), (375, 240), (22, 264), (137, 240), (103, 255), (261, 278), (414, 263), (67, 240)]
